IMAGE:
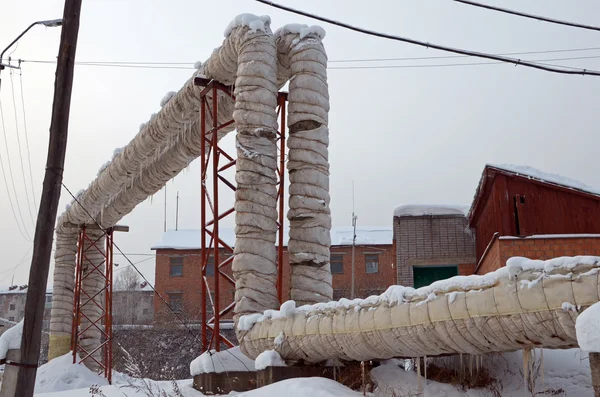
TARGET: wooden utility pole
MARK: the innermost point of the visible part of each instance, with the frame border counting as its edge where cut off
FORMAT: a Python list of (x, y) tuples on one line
[(595, 368), (44, 228)]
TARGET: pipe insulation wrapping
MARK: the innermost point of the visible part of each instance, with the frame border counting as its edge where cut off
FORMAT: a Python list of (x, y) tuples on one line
[(303, 61), (61, 315), (498, 313)]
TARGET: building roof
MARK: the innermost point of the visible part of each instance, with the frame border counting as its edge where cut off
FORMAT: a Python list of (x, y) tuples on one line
[(522, 171), (6, 289), (190, 239), (430, 210)]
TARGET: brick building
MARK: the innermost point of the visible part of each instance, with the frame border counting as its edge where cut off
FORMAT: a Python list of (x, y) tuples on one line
[(520, 211), (178, 263), (12, 304), (433, 243)]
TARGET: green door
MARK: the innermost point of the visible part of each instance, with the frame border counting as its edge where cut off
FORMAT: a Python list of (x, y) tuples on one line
[(425, 275)]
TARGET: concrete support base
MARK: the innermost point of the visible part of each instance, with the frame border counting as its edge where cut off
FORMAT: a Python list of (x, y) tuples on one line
[(9, 379)]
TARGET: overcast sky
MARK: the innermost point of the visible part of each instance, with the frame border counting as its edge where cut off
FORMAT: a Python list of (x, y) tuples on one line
[(404, 135)]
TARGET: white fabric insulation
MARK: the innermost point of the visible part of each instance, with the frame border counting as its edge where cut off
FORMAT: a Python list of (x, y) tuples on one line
[(517, 312), (304, 63)]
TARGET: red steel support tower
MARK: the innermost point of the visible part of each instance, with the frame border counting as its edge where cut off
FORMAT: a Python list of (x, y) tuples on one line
[(214, 162), (102, 298)]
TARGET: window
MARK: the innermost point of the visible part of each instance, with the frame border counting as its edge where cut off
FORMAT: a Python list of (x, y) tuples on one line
[(210, 266), (49, 299), (11, 307), (176, 302), (338, 294), (337, 263), (145, 311), (176, 269), (372, 263), (11, 319)]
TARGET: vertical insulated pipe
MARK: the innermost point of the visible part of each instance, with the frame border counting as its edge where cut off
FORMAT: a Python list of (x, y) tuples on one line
[(254, 265), (303, 58), (61, 317)]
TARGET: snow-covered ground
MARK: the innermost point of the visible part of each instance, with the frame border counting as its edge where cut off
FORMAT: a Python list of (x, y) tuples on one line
[(566, 373)]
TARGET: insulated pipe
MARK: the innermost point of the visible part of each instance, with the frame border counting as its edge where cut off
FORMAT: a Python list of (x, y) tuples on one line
[(61, 317), (496, 312), (303, 61)]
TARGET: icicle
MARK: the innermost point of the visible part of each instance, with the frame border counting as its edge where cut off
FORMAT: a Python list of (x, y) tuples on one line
[(471, 365), (462, 368), (419, 380), (526, 357), (425, 369), (542, 366)]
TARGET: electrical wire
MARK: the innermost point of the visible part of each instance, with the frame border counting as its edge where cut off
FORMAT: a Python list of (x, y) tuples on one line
[(12, 89), (27, 139), (14, 269), (531, 16), (333, 60), (538, 61), (514, 61), (22, 231)]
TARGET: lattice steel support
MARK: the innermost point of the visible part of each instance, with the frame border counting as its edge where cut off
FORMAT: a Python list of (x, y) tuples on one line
[(91, 336), (214, 162)]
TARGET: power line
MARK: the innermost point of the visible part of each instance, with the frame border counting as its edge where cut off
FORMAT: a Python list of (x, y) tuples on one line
[(23, 231), (514, 61), (27, 139), (12, 89), (538, 62), (140, 63), (461, 56), (14, 269), (531, 16)]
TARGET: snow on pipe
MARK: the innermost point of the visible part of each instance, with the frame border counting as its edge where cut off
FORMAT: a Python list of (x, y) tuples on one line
[(527, 304)]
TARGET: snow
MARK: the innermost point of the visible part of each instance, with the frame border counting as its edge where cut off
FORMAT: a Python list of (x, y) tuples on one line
[(61, 374), (341, 236), (224, 361), (397, 294), (254, 22), (569, 307), (268, 358), (198, 65), (587, 327), (566, 370), (301, 30), (430, 210), (517, 264), (302, 387), (167, 98), (532, 173), (11, 339), (288, 308), (279, 339), (550, 236), (117, 151)]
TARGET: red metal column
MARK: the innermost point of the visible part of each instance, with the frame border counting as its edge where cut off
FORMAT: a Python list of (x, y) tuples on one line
[(281, 101), (82, 298)]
